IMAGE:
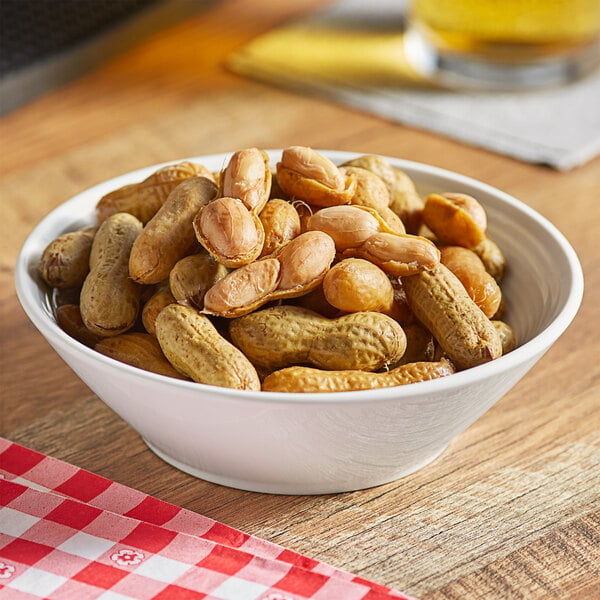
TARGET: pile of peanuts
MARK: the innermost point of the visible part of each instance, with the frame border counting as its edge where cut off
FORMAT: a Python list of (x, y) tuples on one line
[(313, 277)]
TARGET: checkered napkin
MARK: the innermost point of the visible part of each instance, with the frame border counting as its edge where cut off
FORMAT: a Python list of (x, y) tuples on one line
[(68, 534)]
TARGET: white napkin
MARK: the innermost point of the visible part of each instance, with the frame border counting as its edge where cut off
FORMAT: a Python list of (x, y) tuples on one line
[(559, 127)]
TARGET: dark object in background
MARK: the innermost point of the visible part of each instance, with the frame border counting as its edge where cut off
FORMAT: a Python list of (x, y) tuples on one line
[(45, 43)]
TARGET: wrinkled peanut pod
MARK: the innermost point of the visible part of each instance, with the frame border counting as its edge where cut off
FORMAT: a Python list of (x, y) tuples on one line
[(398, 254), (479, 284), (308, 379), (248, 178), (158, 300), (169, 235), (65, 262), (231, 233), (294, 270), (68, 317), (355, 284), (455, 219), (441, 303), (289, 335), (306, 174), (492, 257), (507, 335), (110, 300), (139, 350), (281, 224), (195, 348), (143, 199), (193, 276)]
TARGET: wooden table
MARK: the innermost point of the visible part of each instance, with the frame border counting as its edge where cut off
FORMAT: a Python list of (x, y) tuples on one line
[(511, 508)]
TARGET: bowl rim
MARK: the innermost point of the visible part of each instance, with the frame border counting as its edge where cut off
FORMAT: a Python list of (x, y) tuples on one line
[(534, 348)]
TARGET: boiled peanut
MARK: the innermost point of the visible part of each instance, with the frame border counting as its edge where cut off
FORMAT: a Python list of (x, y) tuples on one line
[(442, 304), (420, 345), (244, 289), (507, 334), (169, 235), (455, 219), (398, 254), (194, 347), (109, 298), (280, 336), (404, 199), (193, 276), (370, 190), (65, 262), (359, 231), (492, 257), (295, 269), (306, 174), (158, 300), (248, 178), (480, 285), (139, 350), (354, 284), (308, 379), (281, 224), (231, 233), (143, 199), (68, 317), (348, 226)]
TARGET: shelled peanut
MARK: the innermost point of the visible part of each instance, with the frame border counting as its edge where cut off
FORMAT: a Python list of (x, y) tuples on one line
[(207, 276)]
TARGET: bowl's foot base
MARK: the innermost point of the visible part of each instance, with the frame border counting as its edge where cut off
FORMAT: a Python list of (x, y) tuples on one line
[(296, 488)]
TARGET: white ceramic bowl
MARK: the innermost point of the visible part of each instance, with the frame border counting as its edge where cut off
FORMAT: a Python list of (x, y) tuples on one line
[(325, 442)]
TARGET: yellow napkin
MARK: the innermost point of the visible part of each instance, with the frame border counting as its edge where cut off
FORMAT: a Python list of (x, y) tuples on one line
[(354, 57)]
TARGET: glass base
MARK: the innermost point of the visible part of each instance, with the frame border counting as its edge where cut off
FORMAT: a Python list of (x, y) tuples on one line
[(466, 71)]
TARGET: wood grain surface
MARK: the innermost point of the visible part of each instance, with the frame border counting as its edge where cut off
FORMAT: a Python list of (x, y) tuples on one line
[(510, 510)]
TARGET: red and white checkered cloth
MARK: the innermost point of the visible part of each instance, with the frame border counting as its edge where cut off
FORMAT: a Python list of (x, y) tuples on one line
[(68, 534)]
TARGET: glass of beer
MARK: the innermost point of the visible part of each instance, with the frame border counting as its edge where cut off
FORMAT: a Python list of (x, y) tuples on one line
[(503, 44)]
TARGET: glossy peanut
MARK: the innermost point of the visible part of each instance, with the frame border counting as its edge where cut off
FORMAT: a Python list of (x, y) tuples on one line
[(290, 335), (369, 190), (65, 262), (143, 199), (231, 233), (455, 219), (295, 269), (399, 255), (305, 174), (355, 284), (348, 226), (193, 276), (247, 177), (470, 270), (195, 348), (110, 300), (68, 317), (169, 235), (281, 224), (161, 297), (492, 257), (139, 350), (404, 199), (441, 303), (308, 379)]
